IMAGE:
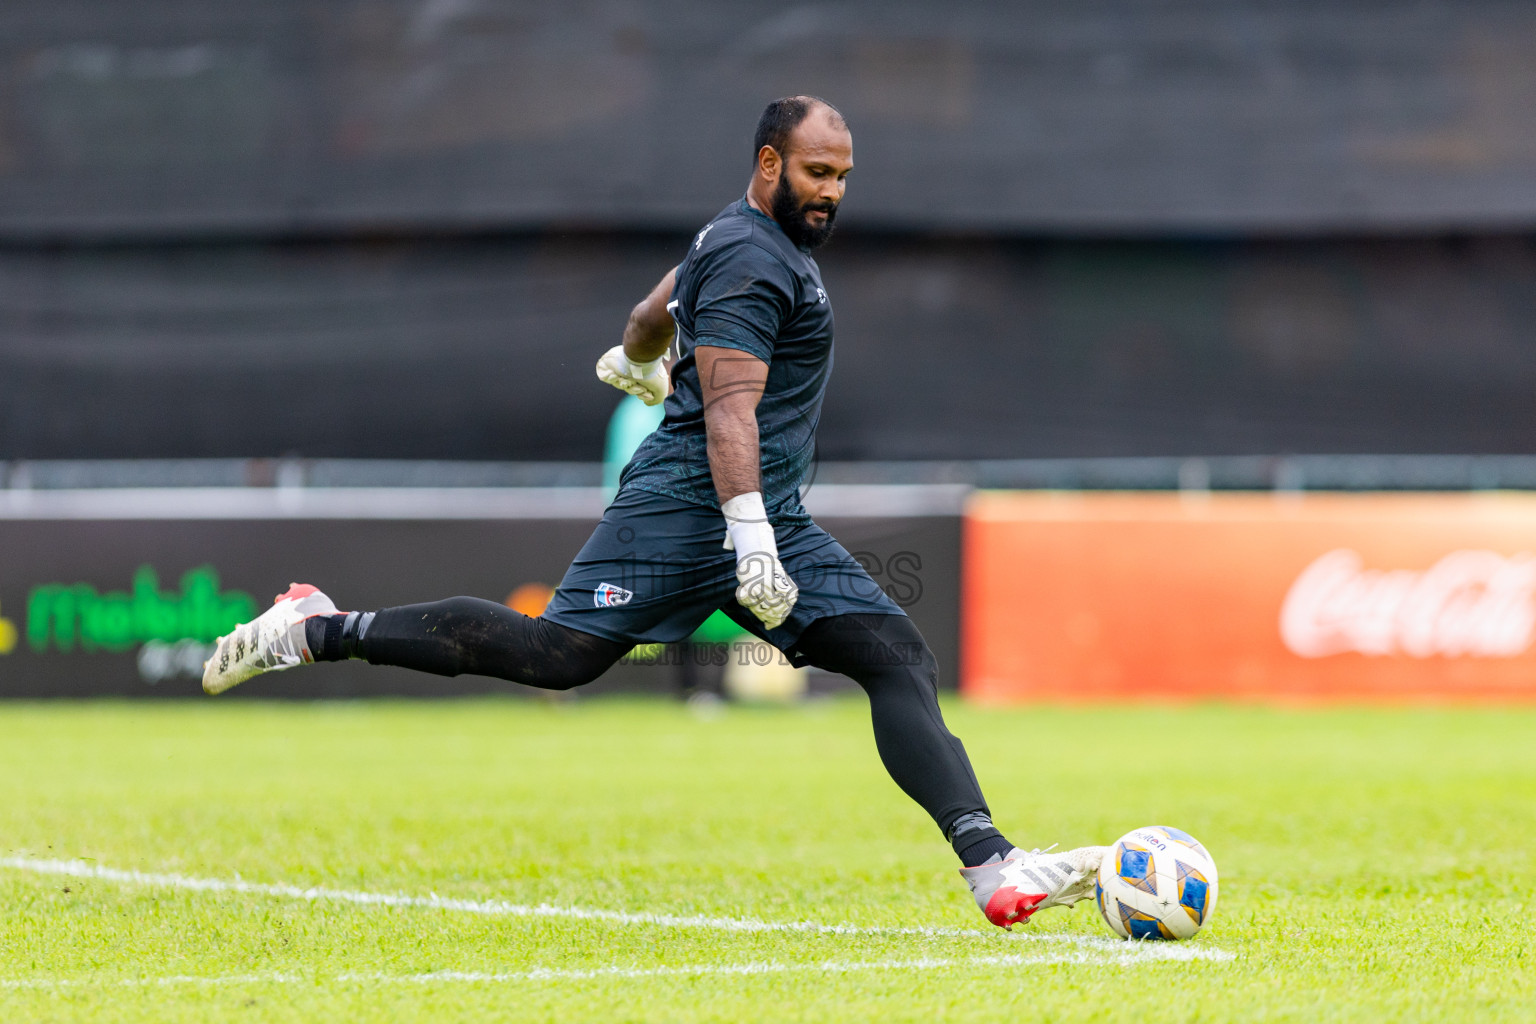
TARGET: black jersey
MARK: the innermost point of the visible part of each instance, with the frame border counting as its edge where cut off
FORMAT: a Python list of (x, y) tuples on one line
[(744, 285)]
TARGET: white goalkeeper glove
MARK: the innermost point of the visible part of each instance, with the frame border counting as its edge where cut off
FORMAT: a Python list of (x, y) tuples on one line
[(646, 381), (762, 586)]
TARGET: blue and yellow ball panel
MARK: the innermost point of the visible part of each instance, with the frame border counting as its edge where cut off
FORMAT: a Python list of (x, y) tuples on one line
[(1184, 838), (1193, 889), (1142, 926), (1134, 866)]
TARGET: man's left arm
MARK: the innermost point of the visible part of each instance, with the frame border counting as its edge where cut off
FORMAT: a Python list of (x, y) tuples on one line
[(634, 365)]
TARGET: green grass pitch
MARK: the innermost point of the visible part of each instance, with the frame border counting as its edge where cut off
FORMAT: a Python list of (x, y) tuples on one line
[(1376, 864)]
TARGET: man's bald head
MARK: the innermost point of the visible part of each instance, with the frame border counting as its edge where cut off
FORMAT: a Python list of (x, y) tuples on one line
[(783, 116), (804, 154)]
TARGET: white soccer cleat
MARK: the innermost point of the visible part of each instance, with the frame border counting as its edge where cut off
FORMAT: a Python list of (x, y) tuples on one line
[(271, 642), (1009, 889)]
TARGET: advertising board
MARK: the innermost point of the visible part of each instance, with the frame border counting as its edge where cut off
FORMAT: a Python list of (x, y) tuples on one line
[(1333, 597), (129, 607)]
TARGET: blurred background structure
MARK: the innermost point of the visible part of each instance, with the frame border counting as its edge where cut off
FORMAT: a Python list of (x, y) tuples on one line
[(1193, 244), (400, 228)]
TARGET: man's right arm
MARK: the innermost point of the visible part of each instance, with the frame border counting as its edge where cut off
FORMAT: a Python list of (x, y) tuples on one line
[(634, 365), (650, 328)]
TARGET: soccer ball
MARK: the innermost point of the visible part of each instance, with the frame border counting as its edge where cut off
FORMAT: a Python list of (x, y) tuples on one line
[(1156, 883)]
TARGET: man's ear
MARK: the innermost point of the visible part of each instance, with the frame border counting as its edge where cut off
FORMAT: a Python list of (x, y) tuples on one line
[(769, 163)]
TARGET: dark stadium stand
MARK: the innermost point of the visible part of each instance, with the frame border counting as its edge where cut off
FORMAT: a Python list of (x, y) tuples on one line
[(405, 230)]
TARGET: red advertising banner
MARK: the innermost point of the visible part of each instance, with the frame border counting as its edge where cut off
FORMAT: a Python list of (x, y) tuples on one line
[(1381, 596)]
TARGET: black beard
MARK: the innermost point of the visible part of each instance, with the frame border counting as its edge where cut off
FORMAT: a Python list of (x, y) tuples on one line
[(790, 215)]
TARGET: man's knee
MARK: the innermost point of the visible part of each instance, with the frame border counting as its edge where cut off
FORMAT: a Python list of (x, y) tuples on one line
[(563, 677), (885, 652), (567, 658)]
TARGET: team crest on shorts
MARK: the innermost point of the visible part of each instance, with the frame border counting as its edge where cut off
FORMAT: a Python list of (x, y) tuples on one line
[(610, 596)]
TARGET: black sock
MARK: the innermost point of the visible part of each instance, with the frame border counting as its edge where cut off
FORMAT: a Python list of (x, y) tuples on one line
[(976, 839), (981, 851), (315, 628), (336, 637)]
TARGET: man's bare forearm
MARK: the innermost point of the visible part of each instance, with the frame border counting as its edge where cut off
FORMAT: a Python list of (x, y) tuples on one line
[(733, 453), (650, 328), (731, 383)]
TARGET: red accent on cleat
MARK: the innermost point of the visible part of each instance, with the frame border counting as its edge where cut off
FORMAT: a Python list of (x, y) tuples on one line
[(1010, 906), (296, 591)]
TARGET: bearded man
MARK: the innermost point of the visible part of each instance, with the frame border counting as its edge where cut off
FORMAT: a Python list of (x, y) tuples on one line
[(708, 516)]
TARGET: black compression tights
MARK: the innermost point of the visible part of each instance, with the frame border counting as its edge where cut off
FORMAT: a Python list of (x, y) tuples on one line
[(885, 654), (469, 636)]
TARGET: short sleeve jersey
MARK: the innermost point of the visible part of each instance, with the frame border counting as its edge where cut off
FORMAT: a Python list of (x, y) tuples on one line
[(744, 285)]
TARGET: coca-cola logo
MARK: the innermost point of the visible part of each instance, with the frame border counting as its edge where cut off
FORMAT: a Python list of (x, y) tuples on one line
[(1476, 603)]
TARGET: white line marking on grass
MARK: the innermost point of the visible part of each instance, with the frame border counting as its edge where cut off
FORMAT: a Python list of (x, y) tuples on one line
[(500, 908), (170, 979), (1124, 954), (1121, 955)]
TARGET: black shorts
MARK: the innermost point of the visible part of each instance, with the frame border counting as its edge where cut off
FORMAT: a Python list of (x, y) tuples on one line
[(656, 567)]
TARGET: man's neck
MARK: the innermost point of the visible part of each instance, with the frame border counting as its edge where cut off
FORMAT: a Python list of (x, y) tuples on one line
[(760, 201)]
